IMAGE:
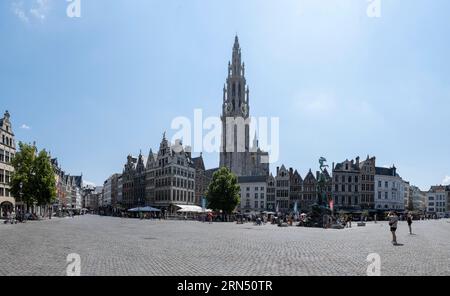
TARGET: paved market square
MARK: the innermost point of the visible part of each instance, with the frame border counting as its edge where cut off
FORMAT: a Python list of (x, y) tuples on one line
[(119, 246)]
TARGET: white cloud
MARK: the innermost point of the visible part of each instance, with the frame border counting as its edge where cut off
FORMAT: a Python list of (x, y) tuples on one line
[(88, 183), (18, 10), (446, 180), (38, 9), (24, 126)]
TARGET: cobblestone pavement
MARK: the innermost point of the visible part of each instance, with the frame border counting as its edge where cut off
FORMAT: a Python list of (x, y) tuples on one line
[(116, 246)]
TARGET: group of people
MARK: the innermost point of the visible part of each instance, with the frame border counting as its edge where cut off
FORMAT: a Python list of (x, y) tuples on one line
[(393, 223), (13, 218)]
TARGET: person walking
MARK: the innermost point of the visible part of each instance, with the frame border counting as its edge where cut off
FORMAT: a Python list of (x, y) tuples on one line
[(393, 220), (409, 220)]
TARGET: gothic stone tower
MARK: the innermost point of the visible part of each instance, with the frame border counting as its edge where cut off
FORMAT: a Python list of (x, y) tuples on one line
[(235, 115), (236, 153)]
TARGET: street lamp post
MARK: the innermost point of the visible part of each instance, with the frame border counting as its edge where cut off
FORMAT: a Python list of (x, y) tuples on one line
[(21, 200)]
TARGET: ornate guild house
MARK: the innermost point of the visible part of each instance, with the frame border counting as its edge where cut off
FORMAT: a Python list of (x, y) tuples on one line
[(7, 151)]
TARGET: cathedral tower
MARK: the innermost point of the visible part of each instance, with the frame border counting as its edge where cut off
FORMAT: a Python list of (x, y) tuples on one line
[(235, 147)]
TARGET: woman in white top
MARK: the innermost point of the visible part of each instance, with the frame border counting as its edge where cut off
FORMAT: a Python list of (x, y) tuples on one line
[(393, 220)]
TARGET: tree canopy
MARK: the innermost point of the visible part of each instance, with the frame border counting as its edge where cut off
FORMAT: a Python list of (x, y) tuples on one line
[(33, 179), (223, 191)]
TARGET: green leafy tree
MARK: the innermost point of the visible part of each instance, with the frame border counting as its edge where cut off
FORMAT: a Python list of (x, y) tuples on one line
[(44, 179), (33, 179), (22, 178), (223, 191)]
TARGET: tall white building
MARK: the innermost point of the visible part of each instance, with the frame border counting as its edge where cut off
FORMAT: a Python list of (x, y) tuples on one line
[(107, 192), (389, 189), (253, 193), (436, 202)]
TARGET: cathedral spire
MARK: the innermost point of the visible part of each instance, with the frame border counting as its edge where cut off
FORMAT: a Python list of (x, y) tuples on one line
[(236, 42), (236, 65)]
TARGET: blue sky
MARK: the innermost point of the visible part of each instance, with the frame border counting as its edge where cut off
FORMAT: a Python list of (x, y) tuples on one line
[(94, 89)]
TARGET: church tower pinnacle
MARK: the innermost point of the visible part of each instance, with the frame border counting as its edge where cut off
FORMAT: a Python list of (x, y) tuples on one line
[(236, 92)]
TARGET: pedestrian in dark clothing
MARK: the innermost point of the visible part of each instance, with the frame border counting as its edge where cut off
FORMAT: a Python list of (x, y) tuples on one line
[(409, 220)]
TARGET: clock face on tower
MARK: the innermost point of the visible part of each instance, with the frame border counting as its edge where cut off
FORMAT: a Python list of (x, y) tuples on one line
[(227, 108)]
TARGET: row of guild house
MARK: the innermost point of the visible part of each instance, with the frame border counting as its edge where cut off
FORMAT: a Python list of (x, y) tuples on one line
[(163, 179)]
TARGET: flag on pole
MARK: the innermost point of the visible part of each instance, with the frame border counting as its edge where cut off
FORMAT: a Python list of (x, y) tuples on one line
[(295, 208), (331, 204), (276, 210)]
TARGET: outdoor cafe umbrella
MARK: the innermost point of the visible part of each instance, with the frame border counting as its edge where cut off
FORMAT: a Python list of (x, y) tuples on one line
[(144, 209)]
